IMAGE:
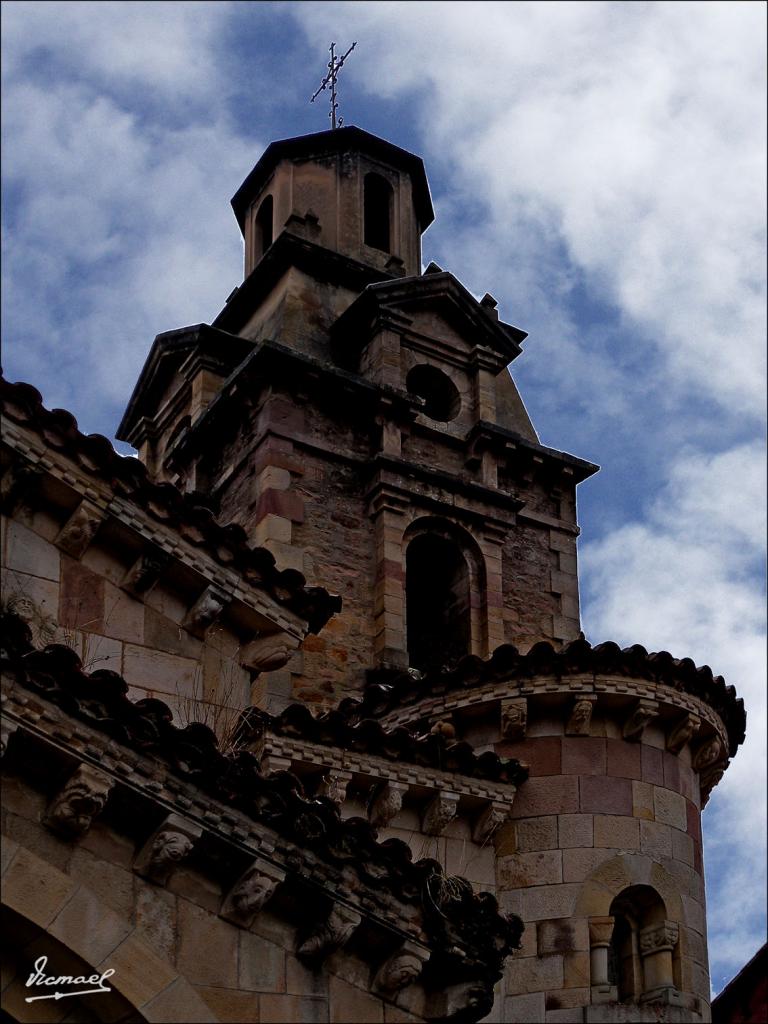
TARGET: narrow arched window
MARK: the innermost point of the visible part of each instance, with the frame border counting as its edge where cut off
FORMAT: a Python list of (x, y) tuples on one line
[(377, 212), (437, 603), (640, 955), (262, 228)]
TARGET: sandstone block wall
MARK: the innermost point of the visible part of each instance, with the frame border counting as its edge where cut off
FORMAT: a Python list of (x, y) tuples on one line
[(175, 958), (81, 603), (598, 814)]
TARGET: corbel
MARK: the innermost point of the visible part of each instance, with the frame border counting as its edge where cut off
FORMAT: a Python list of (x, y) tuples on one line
[(205, 611), (333, 785), (707, 753), (166, 848), (439, 813), (251, 892), (683, 732), (403, 968), (145, 572), (385, 803), (490, 819), (268, 653), (330, 935), (20, 483), (514, 718), (79, 802), (580, 719), (641, 714), (80, 529)]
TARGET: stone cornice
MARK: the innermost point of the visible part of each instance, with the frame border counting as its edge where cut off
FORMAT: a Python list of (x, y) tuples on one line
[(50, 697), (374, 749), (605, 668)]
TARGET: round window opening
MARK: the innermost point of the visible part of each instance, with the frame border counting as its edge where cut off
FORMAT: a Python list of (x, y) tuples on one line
[(441, 396)]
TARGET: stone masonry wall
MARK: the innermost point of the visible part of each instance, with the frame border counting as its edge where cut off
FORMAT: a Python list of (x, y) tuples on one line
[(81, 603), (598, 814), (175, 959)]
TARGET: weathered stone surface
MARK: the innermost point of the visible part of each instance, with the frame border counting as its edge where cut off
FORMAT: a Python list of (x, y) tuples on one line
[(617, 831), (524, 869), (575, 830), (208, 946)]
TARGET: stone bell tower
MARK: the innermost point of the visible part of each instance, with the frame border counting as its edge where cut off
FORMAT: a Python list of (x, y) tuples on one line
[(357, 417)]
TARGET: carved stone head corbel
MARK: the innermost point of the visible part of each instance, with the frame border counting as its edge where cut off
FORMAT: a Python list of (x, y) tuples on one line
[(79, 802), (166, 848)]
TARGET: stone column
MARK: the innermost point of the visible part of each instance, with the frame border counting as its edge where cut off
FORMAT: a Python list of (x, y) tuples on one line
[(656, 945), (600, 932)]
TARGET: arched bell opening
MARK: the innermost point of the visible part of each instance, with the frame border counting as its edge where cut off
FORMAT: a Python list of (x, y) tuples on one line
[(377, 212), (442, 572), (263, 228)]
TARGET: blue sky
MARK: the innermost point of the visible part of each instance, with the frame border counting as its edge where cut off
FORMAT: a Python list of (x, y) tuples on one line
[(598, 167)]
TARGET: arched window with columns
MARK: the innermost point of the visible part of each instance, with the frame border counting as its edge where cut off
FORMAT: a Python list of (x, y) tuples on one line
[(633, 948)]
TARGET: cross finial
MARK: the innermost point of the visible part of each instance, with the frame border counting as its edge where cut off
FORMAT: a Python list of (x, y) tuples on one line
[(334, 66)]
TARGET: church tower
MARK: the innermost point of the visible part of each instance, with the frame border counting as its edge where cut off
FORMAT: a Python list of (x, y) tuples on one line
[(356, 416)]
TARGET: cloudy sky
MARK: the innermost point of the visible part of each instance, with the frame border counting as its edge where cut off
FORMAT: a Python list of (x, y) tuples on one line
[(597, 167)]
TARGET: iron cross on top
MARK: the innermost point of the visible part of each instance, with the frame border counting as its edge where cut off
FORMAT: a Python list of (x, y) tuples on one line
[(334, 66)]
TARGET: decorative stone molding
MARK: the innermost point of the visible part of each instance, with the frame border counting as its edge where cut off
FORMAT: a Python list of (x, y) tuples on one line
[(658, 937), (145, 572), (166, 848), (600, 931), (331, 935), (439, 813), (489, 820), (581, 716), (80, 801), (204, 611), (514, 718), (251, 892), (385, 803), (639, 717), (376, 767), (274, 763), (333, 785), (401, 970), (707, 753), (267, 653), (683, 733), (79, 530)]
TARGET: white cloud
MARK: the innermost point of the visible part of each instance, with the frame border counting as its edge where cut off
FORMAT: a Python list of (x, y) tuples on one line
[(686, 580), (637, 128), (120, 228), (629, 139)]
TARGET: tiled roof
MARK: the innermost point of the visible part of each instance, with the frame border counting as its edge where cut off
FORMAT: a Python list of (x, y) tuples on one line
[(470, 938), (578, 657), (370, 737), (185, 513)]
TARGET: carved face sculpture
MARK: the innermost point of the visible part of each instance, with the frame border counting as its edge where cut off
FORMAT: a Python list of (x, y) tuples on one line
[(78, 805), (252, 893), (170, 847), (400, 971), (582, 712), (707, 754)]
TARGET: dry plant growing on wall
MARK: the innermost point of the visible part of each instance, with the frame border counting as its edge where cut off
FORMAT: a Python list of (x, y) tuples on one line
[(223, 715)]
